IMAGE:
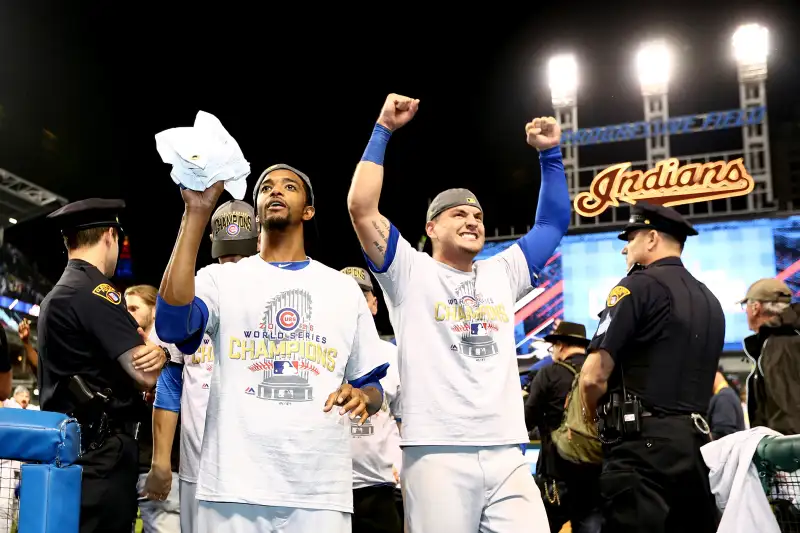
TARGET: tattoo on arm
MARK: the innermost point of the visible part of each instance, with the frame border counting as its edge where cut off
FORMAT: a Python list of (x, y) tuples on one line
[(381, 232), (379, 247)]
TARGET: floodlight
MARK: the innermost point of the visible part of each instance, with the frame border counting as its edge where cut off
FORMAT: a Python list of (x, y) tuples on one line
[(751, 45), (654, 66), (563, 79)]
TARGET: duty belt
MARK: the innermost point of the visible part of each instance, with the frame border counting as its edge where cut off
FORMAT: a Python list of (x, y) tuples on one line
[(699, 421)]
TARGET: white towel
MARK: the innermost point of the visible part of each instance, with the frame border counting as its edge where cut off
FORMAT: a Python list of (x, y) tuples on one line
[(203, 155)]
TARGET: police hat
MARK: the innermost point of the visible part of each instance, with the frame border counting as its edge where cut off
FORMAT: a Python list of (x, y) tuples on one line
[(89, 213), (657, 217)]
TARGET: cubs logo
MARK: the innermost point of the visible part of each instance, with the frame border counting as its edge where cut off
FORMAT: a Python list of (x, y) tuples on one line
[(108, 293), (232, 229), (468, 301), (617, 293), (287, 319)]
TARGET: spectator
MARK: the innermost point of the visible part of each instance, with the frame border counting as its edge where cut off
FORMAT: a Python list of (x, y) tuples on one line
[(773, 394), (725, 414)]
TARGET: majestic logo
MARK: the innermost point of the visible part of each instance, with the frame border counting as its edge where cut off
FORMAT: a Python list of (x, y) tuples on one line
[(286, 379), (288, 319), (108, 293), (668, 184)]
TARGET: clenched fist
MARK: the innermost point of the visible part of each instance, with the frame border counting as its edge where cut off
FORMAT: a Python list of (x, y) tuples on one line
[(543, 133), (397, 111)]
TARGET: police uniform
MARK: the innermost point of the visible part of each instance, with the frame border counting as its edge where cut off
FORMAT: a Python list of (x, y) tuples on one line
[(665, 332), (84, 326)]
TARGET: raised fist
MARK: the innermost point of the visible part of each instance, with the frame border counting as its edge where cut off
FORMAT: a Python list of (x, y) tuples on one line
[(397, 111), (204, 201), (25, 331), (543, 133)]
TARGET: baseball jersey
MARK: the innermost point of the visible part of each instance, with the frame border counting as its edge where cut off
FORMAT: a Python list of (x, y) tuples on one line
[(285, 340), (197, 368), (455, 338), (375, 444)]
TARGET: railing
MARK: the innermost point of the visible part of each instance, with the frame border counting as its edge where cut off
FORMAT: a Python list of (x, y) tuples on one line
[(778, 462)]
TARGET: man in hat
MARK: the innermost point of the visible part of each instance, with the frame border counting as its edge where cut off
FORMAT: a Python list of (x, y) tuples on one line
[(184, 385), (454, 321), (773, 394), (376, 444), (569, 491), (288, 330), (651, 369), (85, 331)]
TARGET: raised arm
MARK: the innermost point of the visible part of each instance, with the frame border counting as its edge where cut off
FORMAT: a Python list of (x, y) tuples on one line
[(181, 317), (371, 227)]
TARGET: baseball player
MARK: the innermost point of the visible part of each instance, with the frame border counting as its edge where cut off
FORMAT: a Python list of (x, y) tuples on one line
[(454, 321), (376, 444), (288, 330), (184, 385)]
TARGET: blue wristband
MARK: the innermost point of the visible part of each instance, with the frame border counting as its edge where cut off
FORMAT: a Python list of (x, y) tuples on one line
[(376, 148)]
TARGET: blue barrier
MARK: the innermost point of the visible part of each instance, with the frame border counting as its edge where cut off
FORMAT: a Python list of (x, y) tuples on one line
[(50, 487)]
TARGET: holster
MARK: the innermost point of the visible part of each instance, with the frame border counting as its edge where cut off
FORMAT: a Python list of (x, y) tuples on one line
[(91, 411)]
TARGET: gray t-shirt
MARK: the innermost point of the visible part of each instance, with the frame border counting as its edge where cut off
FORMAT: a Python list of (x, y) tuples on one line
[(456, 349)]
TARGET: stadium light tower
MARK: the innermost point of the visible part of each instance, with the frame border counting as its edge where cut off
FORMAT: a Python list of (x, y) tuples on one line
[(654, 66), (562, 74), (751, 49)]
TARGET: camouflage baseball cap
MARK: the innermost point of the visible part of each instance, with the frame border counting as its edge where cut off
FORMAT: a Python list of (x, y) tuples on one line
[(361, 276), (451, 198), (768, 290), (233, 230)]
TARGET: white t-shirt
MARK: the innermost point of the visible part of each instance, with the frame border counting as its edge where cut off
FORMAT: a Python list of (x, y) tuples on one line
[(375, 444), (455, 337), (197, 368), (285, 340)]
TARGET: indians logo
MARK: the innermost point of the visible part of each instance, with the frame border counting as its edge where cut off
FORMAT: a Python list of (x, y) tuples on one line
[(286, 380), (232, 229)]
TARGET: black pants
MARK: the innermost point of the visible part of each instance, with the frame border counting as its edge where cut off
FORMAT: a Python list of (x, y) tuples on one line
[(577, 503), (658, 482), (375, 510), (108, 486)]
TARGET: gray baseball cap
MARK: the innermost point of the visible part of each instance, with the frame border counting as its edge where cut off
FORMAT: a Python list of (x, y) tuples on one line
[(451, 198), (361, 276), (233, 230), (281, 166)]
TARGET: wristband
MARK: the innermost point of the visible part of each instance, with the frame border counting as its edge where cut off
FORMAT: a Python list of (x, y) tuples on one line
[(376, 148)]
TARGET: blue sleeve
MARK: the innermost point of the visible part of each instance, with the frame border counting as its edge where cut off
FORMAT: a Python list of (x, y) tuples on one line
[(371, 379), (552, 213), (182, 325), (169, 387)]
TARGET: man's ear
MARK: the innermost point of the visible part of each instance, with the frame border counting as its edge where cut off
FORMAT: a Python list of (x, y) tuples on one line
[(308, 213)]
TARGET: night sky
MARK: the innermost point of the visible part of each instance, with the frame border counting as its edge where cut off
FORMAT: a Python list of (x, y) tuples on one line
[(304, 86)]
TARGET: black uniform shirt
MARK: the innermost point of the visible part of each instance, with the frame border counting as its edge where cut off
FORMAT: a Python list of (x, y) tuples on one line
[(666, 331), (84, 326)]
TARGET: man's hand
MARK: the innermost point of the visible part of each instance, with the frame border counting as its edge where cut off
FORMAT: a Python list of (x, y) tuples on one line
[(24, 331), (352, 400), (203, 202), (150, 357), (158, 483), (543, 133), (397, 111)]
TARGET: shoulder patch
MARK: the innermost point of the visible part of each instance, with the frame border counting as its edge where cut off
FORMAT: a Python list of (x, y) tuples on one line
[(617, 293), (107, 292)]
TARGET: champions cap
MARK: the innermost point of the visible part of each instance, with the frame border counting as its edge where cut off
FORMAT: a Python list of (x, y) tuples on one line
[(273, 168), (768, 290), (233, 230), (89, 213), (361, 276), (451, 198), (657, 217)]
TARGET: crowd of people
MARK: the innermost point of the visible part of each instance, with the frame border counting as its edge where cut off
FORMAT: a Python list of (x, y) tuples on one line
[(255, 395), (19, 278)]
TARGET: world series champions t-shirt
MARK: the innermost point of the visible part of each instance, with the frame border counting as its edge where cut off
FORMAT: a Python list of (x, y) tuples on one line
[(375, 444), (285, 340), (455, 338)]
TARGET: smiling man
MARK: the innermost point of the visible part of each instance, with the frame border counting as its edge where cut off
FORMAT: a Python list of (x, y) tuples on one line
[(454, 322)]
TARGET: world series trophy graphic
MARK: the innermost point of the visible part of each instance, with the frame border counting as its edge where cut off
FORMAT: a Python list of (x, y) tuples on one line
[(476, 338), (287, 380)]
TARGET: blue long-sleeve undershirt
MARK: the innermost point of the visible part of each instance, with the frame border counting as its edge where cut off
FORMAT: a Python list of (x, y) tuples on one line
[(552, 214), (169, 388)]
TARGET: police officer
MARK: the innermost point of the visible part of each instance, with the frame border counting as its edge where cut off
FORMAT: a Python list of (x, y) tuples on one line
[(651, 369), (94, 363)]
